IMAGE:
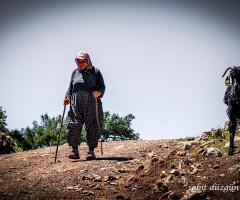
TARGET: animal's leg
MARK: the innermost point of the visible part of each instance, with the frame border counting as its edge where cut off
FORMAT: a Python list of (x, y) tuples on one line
[(232, 130)]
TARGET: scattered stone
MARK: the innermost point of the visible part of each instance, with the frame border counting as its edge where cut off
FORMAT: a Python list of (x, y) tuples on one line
[(222, 175), (195, 171), (97, 187), (197, 139), (208, 132), (198, 165), (46, 154), (205, 134), (173, 196), (124, 170), (119, 147), (233, 168), (154, 160), (112, 183), (182, 172), (215, 166), (109, 178), (103, 169), (165, 145), (139, 168), (90, 193), (97, 178), (173, 152), (170, 177), (132, 180), (191, 143), (192, 194), (180, 164), (162, 175), (87, 177), (218, 133), (204, 178), (186, 146), (181, 153), (69, 188), (201, 151), (205, 144), (187, 161), (175, 172), (161, 160), (213, 152), (165, 195), (151, 155)]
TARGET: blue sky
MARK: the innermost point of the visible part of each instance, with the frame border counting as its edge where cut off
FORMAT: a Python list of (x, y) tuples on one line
[(162, 61)]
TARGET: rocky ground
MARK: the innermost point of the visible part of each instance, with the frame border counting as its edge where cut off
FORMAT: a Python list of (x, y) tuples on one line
[(157, 169)]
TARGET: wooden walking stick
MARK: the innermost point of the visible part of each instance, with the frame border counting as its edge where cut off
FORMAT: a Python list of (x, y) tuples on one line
[(60, 132), (98, 125)]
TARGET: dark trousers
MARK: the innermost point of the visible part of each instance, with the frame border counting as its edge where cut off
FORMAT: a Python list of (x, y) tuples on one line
[(83, 110)]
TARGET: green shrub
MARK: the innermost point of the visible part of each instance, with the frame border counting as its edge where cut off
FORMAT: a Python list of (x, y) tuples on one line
[(17, 149)]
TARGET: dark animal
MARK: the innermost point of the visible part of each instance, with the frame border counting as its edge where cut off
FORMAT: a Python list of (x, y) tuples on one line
[(232, 100)]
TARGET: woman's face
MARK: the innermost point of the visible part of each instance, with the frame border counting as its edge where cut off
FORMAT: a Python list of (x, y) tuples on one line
[(82, 63)]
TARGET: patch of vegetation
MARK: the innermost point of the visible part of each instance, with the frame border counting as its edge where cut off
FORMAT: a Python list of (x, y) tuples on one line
[(223, 149), (17, 149), (173, 164), (160, 188), (213, 145), (45, 133), (195, 153), (188, 137)]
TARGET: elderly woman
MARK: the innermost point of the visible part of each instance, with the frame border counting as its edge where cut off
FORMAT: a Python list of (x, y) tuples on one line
[(86, 85)]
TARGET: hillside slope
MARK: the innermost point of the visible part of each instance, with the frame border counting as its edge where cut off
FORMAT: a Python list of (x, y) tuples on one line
[(157, 169)]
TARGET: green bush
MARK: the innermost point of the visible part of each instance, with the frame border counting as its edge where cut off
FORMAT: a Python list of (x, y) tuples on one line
[(17, 149)]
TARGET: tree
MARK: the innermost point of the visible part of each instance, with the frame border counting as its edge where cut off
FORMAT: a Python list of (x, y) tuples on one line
[(3, 118), (45, 134), (117, 128), (18, 137)]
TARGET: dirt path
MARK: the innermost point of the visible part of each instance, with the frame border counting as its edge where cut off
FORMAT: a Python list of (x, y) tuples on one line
[(127, 170)]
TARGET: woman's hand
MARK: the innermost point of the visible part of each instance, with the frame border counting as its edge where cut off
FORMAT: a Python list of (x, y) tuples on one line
[(96, 94), (66, 101)]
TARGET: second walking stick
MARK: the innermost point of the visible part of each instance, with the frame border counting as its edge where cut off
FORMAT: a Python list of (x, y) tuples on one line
[(98, 125)]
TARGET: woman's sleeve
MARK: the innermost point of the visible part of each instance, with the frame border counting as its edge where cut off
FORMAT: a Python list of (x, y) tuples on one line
[(101, 84), (69, 91)]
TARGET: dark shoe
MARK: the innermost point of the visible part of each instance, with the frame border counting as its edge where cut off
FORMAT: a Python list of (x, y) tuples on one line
[(91, 155), (74, 154)]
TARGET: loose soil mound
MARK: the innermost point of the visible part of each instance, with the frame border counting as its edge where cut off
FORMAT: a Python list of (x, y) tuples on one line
[(127, 170)]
